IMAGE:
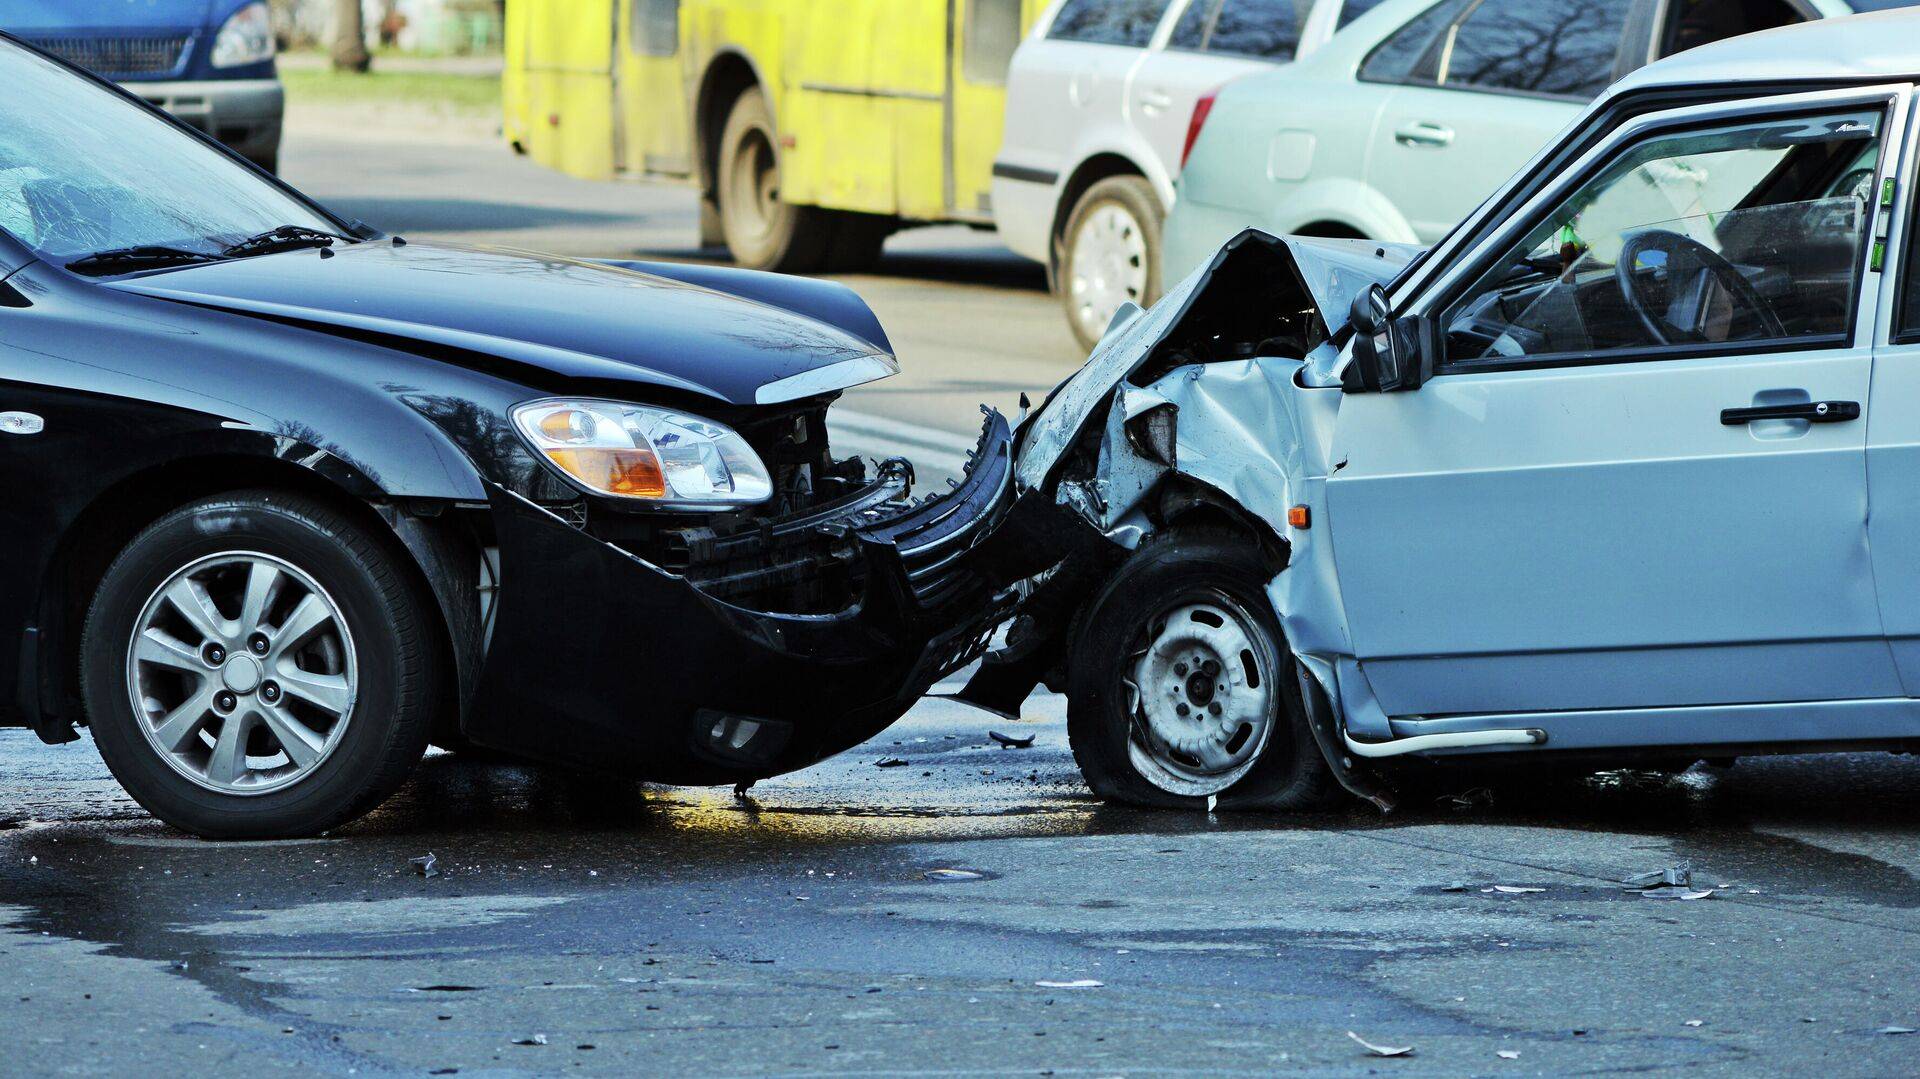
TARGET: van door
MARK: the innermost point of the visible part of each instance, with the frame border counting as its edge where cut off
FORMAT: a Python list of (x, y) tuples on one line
[(984, 33), (653, 110), (567, 83)]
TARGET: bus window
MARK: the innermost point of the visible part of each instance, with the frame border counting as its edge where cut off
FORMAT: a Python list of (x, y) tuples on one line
[(993, 31), (656, 27)]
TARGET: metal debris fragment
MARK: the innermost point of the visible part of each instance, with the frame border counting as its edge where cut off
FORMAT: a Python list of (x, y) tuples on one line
[(1677, 893), (1507, 1054), (1382, 1050), (1077, 983), (1008, 741), (889, 762), (536, 1039), (1514, 889), (426, 865), (1895, 1030), (1677, 876)]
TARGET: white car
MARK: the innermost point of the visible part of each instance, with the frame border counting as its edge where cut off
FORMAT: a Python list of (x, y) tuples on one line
[(1100, 108), (1402, 124)]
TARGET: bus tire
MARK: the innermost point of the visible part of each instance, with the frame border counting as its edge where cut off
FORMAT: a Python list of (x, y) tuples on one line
[(763, 231)]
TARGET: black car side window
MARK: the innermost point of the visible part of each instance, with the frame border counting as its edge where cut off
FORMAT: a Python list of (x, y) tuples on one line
[(1108, 22), (1190, 32), (1538, 46), (1351, 10), (1397, 58), (1262, 29)]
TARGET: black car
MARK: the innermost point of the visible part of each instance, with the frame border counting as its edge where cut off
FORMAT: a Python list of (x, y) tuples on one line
[(286, 499)]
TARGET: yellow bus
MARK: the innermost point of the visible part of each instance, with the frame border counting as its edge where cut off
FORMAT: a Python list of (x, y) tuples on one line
[(813, 128)]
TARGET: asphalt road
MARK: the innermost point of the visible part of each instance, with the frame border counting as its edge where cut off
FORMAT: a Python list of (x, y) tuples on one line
[(585, 925)]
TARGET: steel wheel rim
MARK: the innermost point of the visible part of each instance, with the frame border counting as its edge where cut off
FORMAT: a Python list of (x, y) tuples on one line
[(242, 673), (1229, 707), (755, 183), (1108, 266)]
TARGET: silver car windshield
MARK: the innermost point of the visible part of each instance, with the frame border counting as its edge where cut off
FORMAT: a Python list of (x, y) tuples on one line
[(83, 170)]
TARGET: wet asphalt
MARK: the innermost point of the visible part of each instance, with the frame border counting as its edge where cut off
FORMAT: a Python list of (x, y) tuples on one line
[(590, 925), (593, 925)]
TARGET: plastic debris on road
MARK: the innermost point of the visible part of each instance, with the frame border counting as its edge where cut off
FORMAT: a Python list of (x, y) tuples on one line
[(954, 874), (426, 865), (1077, 983), (1382, 1050), (1008, 741)]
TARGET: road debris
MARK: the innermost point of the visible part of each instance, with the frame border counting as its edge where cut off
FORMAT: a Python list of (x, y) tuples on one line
[(889, 762), (1677, 893), (1895, 1030), (1674, 876), (1456, 886), (536, 1039), (1514, 889), (954, 874), (426, 865), (1008, 741), (1077, 983), (1694, 1022), (1507, 1054), (1382, 1050), (1473, 798)]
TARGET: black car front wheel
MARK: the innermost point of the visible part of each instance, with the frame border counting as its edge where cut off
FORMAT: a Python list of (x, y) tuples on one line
[(258, 665), (1182, 687)]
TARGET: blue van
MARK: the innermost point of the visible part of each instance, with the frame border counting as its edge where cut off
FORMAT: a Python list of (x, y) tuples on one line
[(208, 62)]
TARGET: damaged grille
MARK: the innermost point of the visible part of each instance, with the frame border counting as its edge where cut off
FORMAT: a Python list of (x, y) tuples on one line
[(117, 57)]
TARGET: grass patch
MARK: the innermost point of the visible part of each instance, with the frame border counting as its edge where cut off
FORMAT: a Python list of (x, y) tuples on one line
[(456, 93)]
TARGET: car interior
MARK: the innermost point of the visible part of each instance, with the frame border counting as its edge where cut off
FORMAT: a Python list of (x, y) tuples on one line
[(1751, 232), (1698, 22)]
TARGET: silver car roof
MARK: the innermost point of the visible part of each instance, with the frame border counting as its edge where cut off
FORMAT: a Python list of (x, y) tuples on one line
[(1880, 45)]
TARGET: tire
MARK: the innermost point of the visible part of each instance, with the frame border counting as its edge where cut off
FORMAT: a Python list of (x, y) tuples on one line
[(368, 655), (1109, 254), (1195, 575), (763, 232)]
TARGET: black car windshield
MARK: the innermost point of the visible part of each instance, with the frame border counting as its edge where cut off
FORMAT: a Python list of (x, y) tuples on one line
[(83, 170)]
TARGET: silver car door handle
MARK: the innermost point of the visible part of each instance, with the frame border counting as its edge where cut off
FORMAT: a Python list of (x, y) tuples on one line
[(1154, 101), (1423, 133)]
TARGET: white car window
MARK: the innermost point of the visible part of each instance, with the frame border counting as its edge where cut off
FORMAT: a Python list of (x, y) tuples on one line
[(1108, 22), (1741, 233), (1537, 46), (1260, 29)]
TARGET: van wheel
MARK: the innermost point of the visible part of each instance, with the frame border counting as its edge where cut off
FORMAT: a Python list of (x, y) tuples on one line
[(1182, 686), (763, 232), (257, 665), (1110, 254)]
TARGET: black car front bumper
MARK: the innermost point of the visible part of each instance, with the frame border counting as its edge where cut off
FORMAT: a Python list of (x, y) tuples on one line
[(601, 659)]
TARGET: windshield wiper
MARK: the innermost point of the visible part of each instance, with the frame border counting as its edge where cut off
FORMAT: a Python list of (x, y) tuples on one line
[(126, 259), (284, 238)]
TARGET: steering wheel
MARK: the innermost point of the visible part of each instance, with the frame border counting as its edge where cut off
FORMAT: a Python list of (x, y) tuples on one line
[(1689, 265)]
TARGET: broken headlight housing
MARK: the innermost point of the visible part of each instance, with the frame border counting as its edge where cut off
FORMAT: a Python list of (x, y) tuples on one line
[(671, 459), (245, 38)]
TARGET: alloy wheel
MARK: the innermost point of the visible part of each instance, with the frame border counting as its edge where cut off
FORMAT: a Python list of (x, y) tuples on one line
[(242, 672)]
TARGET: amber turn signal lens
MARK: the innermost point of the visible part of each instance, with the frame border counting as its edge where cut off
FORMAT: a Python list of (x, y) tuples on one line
[(635, 473), (1298, 517)]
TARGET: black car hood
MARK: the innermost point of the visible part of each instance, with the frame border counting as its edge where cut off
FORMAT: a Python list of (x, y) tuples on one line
[(555, 321)]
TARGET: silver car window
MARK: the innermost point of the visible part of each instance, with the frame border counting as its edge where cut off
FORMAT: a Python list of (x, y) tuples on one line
[(83, 169), (1743, 234), (1537, 47)]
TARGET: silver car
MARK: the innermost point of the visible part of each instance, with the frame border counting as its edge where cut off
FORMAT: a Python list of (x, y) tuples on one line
[(1101, 103), (1404, 122)]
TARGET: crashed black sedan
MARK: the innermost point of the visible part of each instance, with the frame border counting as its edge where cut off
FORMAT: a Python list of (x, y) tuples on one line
[(287, 500)]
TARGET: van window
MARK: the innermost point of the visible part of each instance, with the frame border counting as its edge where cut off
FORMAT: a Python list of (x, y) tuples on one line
[(656, 27), (993, 32), (1538, 47), (1108, 22), (1395, 59)]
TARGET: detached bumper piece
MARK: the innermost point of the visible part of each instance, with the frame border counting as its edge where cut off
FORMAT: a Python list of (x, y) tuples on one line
[(602, 659)]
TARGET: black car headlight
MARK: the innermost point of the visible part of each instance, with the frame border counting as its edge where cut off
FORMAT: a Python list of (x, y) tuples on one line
[(671, 459)]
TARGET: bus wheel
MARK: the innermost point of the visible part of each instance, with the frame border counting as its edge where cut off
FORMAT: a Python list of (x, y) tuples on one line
[(762, 231)]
